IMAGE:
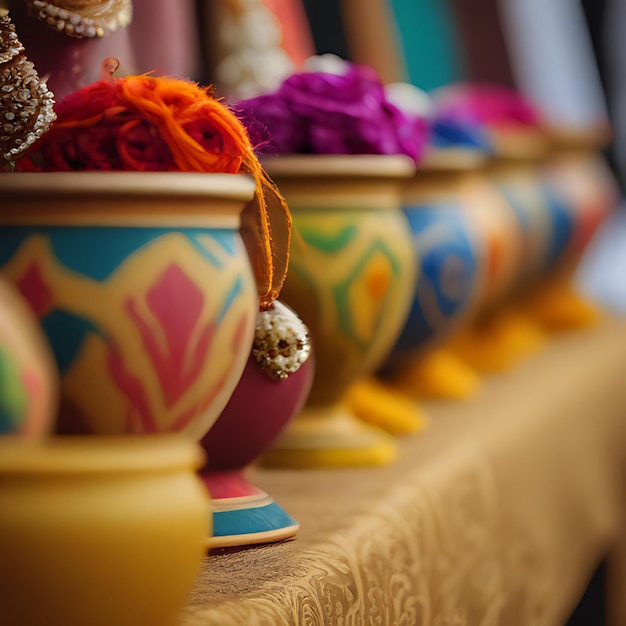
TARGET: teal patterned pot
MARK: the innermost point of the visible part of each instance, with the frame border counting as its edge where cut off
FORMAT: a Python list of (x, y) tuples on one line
[(143, 287)]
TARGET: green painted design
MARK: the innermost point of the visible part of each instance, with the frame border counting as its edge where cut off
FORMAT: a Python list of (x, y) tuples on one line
[(329, 242), (342, 290), (13, 397)]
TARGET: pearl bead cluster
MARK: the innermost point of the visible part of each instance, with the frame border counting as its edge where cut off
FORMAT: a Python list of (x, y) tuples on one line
[(281, 341), (87, 18), (26, 103)]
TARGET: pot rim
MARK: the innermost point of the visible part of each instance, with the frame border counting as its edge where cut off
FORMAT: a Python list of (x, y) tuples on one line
[(332, 166), (124, 199), (164, 184), (452, 160), (92, 454), (520, 145), (580, 137)]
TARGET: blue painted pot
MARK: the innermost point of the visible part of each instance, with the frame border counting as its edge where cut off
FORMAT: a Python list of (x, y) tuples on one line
[(449, 262), (543, 209)]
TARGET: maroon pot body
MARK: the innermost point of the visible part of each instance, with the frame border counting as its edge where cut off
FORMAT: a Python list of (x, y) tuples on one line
[(256, 414)]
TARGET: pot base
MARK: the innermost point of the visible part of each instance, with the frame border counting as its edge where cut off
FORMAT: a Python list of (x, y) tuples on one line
[(498, 343), (331, 437), (438, 374), (243, 514), (557, 307), (379, 404)]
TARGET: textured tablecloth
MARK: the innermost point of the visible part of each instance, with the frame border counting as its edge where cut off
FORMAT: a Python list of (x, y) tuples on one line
[(498, 514)]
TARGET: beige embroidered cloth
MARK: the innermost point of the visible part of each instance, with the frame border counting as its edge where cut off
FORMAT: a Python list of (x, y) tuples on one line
[(497, 515)]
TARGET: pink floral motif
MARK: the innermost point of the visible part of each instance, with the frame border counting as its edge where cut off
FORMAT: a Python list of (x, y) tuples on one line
[(177, 304), (140, 417), (35, 290), (183, 420), (236, 345)]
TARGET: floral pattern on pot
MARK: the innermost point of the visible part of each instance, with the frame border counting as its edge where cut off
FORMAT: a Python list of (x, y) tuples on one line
[(350, 280), (150, 327)]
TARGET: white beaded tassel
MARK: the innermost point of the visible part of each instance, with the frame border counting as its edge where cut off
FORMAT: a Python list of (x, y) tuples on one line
[(281, 341)]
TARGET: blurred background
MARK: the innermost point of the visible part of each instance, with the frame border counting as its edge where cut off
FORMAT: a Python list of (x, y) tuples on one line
[(566, 56)]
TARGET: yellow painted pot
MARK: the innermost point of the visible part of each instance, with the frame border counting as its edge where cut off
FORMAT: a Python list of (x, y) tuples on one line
[(143, 287), (99, 531), (582, 192), (351, 279)]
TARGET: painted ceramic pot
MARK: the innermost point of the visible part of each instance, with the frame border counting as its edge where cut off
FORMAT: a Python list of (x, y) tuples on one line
[(450, 275), (28, 376), (500, 235), (99, 530), (581, 192), (581, 183), (255, 416), (143, 287), (520, 181), (351, 275), (508, 237)]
